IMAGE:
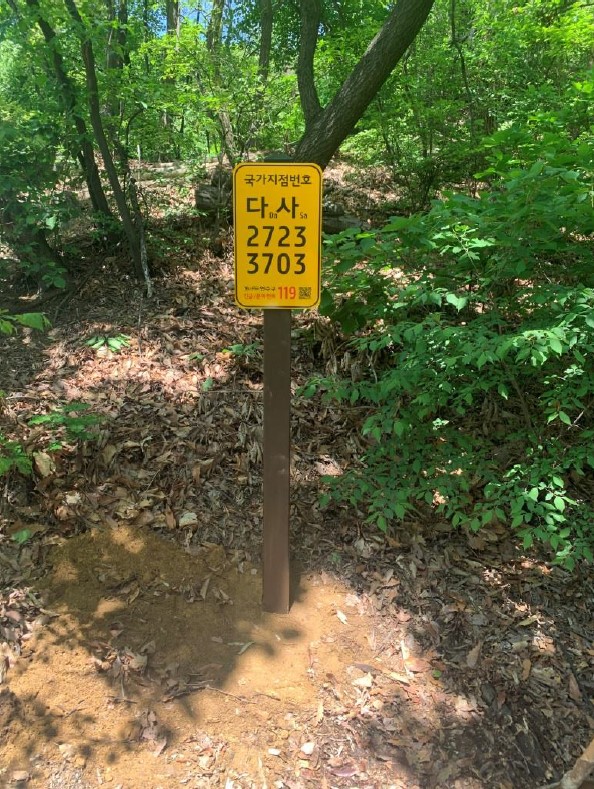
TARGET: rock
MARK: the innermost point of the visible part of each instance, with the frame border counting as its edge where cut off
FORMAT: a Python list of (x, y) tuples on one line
[(336, 224), (330, 208), (19, 778), (212, 199)]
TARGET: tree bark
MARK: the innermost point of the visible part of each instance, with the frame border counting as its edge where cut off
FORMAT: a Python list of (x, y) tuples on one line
[(323, 137), (310, 23), (130, 229), (266, 20), (214, 31), (85, 154), (214, 36), (173, 16)]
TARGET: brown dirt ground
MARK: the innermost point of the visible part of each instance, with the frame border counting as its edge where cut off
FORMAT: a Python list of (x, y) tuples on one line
[(133, 648)]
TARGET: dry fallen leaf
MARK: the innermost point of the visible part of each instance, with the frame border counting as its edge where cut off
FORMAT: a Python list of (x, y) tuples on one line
[(187, 519), (320, 713), (346, 770), (169, 518), (473, 656), (204, 588), (398, 677), (44, 463), (416, 664), (20, 777), (575, 693), (363, 682)]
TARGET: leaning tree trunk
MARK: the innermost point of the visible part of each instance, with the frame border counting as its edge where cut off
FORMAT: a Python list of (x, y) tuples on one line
[(130, 229), (85, 154), (327, 131)]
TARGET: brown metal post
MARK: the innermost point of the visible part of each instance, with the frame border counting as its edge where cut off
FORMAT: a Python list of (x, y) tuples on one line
[(277, 450)]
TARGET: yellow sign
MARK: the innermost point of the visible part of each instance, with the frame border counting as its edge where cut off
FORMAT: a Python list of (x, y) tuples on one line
[(277, 211)]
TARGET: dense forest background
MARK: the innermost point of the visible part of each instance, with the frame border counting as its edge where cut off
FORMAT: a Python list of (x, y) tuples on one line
[(465, 304)]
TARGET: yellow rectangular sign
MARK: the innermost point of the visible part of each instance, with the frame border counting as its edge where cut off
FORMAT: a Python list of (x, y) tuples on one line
[(277, 211)]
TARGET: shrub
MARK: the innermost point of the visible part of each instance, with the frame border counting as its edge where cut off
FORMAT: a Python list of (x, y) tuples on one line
[(477, 324)]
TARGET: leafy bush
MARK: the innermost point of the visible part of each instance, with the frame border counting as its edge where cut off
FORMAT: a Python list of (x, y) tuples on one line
[(477, 324)]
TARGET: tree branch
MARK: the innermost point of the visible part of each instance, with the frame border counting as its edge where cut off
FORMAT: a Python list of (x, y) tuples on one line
[(323, 137)]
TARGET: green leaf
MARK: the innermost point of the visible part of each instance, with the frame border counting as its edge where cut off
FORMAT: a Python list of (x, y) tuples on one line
[(34, 320), (555, 344), (22, 536), (559, 503), (459, 302)]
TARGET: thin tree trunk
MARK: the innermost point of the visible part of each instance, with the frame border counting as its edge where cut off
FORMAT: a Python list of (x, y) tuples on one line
[(266, 20), (455, 42), (324, 136), (95, 114), (214, 34), (85, 154), (214, 31), (310, 23)]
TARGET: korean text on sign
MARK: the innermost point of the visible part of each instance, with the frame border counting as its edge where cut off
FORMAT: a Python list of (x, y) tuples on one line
[(277, 216)]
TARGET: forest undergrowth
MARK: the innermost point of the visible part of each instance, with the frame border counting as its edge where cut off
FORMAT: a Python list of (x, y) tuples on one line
[(420, 655)]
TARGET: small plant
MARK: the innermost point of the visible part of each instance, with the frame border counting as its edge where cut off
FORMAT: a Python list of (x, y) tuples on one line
[(239, 349), (112, 343), (32, 320), (196, 357), (71, 421), (13, 457)]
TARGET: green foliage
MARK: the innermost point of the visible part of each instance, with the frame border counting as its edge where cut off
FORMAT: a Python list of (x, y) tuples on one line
[(22, 536), (240, 349), (32, 320), (31, 206), (70, 422), (486, 68), (13, 457), (476, 323), (112, 343)]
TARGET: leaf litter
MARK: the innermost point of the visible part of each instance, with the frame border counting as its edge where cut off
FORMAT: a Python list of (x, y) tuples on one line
[(130, 619)]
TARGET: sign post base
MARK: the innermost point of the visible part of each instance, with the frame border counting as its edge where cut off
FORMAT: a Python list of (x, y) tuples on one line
[(277, 448)]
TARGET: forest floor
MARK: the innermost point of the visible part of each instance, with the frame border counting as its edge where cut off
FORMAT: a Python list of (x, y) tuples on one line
[(133, 649)]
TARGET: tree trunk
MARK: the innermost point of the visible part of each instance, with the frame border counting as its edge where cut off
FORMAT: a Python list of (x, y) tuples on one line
[(324, 136), (85, 154), (310, 23), (266, 19), (116, 55), (214, 31), (173, 16), (214, 34), (130, 230)]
